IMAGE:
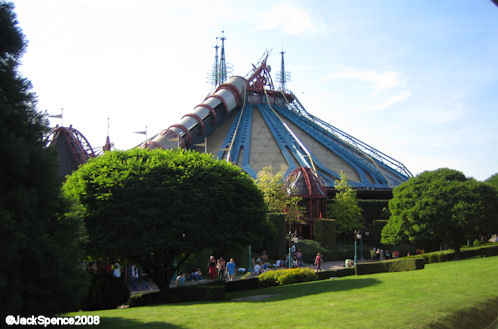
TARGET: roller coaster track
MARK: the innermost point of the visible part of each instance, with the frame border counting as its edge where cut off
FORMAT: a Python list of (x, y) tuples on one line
[(360, 146)]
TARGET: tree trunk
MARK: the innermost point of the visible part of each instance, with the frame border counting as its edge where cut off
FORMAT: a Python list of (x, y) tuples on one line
[(161, 278), (163, 273)]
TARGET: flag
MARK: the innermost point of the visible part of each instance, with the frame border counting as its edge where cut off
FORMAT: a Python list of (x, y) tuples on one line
[(141, 132), (58, 116)]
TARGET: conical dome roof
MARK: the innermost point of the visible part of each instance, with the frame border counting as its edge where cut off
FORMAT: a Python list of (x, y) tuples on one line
[(248, 122)]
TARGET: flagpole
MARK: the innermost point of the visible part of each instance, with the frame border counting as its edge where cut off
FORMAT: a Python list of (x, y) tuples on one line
[(143, 133)]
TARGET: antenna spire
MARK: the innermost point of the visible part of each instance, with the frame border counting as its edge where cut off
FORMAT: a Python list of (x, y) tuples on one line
[(223, 64), (107, 146), (220, 68), (283, 77), (216, 68)]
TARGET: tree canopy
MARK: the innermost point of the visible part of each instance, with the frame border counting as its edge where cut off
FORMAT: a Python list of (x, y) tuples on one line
[(39, 271), (493, 181), (345, 208), (441, 207), (277, 197), (155, 208)]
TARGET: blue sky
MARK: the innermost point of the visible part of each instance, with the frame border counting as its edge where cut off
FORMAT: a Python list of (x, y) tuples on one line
[(417, 80)]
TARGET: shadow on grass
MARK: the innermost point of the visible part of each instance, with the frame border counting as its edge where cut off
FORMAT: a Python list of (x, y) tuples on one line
[(285, 292), (305, 289), (117, 322), (478, 316)]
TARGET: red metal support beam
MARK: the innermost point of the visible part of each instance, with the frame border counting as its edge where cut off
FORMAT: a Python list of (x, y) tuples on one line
[(221, 99), (232, 89), (185, 130), (210, 108), (198, 118)]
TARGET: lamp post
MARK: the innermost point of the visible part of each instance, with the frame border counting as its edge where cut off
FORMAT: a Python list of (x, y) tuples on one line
[(361, 248), (249, 267), (357, 236)]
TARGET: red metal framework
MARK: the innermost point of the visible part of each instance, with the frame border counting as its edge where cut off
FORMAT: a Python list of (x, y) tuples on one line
[(232, 89), (170, 135), (80, 147), (196, 117), (210, 109), (260, 76), (303, 182), (221, 99), (152, 145)]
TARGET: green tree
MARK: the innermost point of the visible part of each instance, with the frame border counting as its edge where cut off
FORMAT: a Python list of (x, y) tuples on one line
[(493, 181), (277, 198), (155, 208), (345, 209), (440, 207), (39, 271)]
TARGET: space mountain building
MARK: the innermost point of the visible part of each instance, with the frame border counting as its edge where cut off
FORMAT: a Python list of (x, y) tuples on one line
[(250, 123)]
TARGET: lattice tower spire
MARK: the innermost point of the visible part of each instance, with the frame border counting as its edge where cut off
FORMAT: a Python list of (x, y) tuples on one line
[(283, 77)]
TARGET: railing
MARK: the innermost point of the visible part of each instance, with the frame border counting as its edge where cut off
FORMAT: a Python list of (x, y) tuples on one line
[(360, 146)]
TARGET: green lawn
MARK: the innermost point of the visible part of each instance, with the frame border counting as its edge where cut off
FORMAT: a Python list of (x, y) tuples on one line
[(461, 294)]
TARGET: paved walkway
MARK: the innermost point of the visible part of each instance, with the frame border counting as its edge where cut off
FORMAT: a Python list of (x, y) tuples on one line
[(331, 265)]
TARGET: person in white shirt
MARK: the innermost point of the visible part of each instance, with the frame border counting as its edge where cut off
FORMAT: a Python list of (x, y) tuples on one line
[(257, 269), (117, 271)]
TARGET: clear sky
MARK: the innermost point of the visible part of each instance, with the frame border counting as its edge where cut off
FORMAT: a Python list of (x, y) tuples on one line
[(417, 80)]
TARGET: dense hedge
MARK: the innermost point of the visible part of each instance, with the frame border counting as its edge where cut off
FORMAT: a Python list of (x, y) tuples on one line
[(325, 231), (377, 227), (336, 273), (393, 265), (310, 248), (195, 293), (244, 284), (286, 276), (448, 255), (105, 292), (278, 246), (372, 209), (208, 292), (146, 298)]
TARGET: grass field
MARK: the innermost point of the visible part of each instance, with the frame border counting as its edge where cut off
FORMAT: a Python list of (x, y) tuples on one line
[(461, 294)]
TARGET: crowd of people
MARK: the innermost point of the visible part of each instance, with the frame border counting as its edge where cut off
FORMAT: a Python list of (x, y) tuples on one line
[(381, 254), (217, 269), (222, 270), (262, 264)]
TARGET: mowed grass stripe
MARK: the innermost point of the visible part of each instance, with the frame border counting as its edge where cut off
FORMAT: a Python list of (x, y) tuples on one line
[(437, 296)]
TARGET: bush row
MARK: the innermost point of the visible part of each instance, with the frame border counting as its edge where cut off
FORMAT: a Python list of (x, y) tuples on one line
[(286, 276), (208, 292), (216, 290), (244, 284), (448, 255), (336, 273), (393, 265)]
